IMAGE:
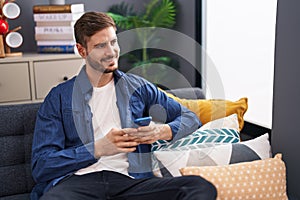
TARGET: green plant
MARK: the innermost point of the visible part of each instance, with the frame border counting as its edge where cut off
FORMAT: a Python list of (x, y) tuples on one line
[(157, 13)]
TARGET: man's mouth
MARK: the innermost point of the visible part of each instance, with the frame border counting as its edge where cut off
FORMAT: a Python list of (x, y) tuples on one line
[(111, 63)]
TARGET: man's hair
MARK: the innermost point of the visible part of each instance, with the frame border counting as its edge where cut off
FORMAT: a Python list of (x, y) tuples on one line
[(89, 24)]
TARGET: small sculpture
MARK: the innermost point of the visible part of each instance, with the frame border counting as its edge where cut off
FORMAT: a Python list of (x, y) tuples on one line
[(9, 38)]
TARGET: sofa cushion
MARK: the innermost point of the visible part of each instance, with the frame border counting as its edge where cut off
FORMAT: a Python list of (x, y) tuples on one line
[(212, 109), (229, 122), (25, 196), (171, 160), (16, 131), (259, 179)]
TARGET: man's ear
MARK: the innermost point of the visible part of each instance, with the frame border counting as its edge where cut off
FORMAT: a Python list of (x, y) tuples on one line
[(81, 50)]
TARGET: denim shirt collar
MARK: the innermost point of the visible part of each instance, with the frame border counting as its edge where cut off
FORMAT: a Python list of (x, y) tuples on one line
[(83, 91), (85, 84)]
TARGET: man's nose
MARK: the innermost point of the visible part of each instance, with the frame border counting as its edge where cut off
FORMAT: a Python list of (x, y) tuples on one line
[(110, 50)]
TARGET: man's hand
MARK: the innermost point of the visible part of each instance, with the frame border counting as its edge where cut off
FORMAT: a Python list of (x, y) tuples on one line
[(116, 141), (152, 133)]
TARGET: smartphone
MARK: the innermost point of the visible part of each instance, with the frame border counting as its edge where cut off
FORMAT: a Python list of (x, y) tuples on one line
[(144, 121)]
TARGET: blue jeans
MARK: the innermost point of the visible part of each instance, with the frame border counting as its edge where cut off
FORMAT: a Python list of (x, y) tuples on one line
[(114, 186)]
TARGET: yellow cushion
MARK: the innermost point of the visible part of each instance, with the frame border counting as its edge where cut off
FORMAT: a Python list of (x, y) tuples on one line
[(260, 179), (212, 109)]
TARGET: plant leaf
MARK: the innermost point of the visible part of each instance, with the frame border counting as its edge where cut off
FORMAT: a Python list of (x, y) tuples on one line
[(162, 59), (149, 8), (163, 15), (123, 9)]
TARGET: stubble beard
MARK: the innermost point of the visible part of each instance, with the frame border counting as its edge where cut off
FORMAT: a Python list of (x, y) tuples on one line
[(96, 65)]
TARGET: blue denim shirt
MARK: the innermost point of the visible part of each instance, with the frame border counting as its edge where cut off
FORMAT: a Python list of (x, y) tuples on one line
[(63, 139)]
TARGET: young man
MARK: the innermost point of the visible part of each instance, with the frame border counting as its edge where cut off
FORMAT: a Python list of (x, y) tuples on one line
[(86, 145)]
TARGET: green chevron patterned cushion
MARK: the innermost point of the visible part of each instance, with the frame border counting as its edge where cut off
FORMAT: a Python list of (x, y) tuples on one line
[(200, 138), (168, 161)]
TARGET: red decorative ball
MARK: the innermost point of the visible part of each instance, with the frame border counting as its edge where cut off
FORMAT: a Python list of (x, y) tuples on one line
[(3, 26)]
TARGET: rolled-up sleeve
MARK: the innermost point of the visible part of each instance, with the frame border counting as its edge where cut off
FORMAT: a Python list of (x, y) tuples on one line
[(181, 120)]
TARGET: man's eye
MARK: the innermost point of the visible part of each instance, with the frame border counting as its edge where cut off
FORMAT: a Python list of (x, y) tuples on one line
[(100, 46), (113, 42)]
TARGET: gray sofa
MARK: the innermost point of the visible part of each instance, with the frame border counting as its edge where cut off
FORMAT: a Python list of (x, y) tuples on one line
[(16, 131)]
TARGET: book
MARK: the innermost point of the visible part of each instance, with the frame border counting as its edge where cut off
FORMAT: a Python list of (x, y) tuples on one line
[(55, 42), (62, 36), (56, 16), (55, 23), (67, 8), (54, 29), (56, 49)]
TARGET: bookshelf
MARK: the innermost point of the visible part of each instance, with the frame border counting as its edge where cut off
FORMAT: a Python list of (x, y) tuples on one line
[(54, 27)]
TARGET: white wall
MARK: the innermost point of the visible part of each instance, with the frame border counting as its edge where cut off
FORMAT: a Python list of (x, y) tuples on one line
[(240, 42)]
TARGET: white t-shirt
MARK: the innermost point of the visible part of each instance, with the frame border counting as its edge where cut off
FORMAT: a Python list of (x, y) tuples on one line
[(105, 117)]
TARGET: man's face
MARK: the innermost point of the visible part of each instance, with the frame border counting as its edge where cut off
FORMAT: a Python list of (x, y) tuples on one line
[(102, 51)]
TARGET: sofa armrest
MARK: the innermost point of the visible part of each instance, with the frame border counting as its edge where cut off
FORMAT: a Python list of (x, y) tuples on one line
[(188, 93), (251, 131)]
